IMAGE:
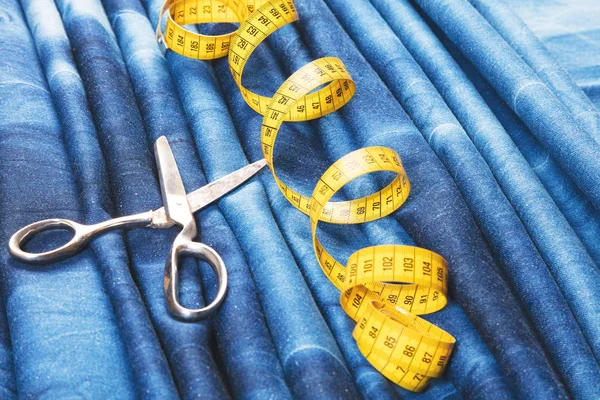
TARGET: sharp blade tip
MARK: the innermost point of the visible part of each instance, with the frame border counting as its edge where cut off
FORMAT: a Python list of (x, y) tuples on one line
[(161, 141), (260, 163)]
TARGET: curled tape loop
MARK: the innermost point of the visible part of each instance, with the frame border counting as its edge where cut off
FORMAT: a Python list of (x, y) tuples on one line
[(383, 288)]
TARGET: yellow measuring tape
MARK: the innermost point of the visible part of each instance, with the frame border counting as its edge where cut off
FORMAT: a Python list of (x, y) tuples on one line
[(383, 288)]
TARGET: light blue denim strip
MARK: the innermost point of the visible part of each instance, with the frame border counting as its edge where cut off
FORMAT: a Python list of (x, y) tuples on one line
[(522, 263), (245, 345), (150, 369), (523, 91), (63, 331), (468, 365), (536, 55)]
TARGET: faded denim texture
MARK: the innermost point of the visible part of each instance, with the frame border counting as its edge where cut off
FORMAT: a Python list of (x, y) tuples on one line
[(500, 142)]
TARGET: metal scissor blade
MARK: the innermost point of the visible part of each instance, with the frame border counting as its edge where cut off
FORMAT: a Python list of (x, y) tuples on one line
[(173, 192), (204, 196)]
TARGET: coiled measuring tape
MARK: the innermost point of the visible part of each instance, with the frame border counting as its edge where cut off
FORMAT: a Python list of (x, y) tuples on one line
[(383, 288)]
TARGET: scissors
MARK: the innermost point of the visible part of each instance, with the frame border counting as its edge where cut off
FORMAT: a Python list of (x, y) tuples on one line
[(178, 210)]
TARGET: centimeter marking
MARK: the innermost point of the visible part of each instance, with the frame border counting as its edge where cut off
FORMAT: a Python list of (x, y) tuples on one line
[(383, 288)]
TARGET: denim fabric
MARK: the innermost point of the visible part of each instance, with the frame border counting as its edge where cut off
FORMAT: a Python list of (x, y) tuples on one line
[(311, 360), (577, 276), (523, 91), (384, 122), (249, 355), (8, 388), (292, 53), (131, 169), (64, 335), (523, 264), (151, 372), (518, 35), (455, 87), (85, 91), (583, 217)]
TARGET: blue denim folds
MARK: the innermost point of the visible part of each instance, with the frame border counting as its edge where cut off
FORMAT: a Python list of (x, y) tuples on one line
[(501, 145)]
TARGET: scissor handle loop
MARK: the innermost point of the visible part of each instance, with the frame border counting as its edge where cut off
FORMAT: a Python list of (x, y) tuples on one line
[(81, 234), (201, 252)]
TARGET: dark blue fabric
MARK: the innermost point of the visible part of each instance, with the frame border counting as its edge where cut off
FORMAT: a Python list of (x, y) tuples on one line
[(507, 196)]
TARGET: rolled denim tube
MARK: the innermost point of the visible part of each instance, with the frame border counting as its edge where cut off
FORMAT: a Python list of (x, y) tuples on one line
[(61, 323), (473, 370), (374, 117), (522, 90), (311, 360), (582, 216), (131, 171), (149, 366), (536, 55), (555, 240), (8, 389), (245, 345)]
